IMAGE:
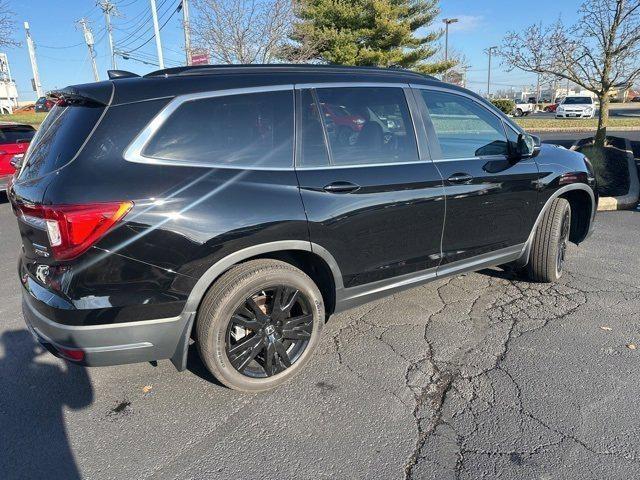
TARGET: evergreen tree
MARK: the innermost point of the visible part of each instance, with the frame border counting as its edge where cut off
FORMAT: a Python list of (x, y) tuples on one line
[(367, 33)]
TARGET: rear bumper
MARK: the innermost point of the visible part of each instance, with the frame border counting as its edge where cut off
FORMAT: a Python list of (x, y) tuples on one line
[(112, 344)]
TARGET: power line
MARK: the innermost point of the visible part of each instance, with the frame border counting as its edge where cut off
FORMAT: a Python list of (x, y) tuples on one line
[(39, 45), (153, 36), (138, 35)]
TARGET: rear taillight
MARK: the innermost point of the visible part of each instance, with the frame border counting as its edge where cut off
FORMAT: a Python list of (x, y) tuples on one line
[(72, 229)]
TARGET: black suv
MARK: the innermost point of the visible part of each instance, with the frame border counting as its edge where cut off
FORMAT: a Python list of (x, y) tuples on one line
[(238, 207)]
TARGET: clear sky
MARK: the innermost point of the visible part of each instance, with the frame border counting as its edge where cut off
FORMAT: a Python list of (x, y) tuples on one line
[(63, 58)]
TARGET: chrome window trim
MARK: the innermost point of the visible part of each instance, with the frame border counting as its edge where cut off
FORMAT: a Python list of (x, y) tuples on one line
[(475, 100), (133, 153)]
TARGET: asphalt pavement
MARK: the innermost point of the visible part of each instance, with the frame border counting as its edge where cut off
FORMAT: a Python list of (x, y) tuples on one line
[(478, 376)]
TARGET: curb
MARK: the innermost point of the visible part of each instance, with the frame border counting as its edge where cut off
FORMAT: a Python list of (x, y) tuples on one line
[(577, 129), (630, 200)]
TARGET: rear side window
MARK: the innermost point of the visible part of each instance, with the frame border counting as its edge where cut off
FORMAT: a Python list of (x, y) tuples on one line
[(16, 134), (367, 125), (464, 128), (59, 138), (247, 130)]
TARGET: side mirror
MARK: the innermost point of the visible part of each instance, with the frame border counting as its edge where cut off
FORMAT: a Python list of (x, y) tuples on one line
[(526, 146), (16, 162)]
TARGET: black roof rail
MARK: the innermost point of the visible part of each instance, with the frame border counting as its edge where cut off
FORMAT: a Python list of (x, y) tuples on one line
[(113, 74), (280, 67)]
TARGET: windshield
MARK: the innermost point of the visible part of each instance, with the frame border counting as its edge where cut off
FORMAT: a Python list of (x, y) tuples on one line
[(577, 100)]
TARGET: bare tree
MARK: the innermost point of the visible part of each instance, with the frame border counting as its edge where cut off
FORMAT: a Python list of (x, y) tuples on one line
[(7, 25), (598, 53), (242, 31)]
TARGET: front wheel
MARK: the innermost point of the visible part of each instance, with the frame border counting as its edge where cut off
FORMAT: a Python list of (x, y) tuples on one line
[(518, 112), (549, 247), (259, 324)]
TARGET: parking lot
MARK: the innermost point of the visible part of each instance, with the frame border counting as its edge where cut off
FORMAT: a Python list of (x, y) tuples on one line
[(477, 376)]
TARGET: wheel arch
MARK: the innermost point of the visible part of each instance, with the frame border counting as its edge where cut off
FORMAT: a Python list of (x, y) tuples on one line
[(578, 193), (311, 258)]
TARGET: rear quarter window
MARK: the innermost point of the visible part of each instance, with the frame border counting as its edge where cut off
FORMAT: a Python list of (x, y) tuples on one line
[(59, 138), (244, 130)]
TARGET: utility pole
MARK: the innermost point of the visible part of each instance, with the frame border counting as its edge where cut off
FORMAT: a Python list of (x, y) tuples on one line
[(156, 30), (88, 38), (489, 51), (34, 66), (447, 22), (187, 30), (109, 9)]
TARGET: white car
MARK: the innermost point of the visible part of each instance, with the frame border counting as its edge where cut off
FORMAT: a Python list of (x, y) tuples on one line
[(523, 108), (576, 107)]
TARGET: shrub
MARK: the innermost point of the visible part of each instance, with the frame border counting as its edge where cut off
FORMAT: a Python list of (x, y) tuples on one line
[(505, 105), (610, 165)]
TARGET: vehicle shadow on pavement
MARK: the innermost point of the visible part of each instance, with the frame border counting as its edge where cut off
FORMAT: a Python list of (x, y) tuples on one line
[(33, 396), (197, 367)]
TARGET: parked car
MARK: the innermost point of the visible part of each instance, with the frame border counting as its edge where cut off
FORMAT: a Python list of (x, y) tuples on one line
[(14, 141), (44, 104), (581, 106), (523, 107), (635, 99), (554, 106), (188, 206)]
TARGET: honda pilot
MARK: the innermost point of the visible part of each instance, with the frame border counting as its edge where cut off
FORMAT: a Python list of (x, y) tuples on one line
[(237, 208)]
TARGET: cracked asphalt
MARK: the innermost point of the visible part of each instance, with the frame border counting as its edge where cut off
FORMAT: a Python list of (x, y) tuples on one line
[(478, 376)]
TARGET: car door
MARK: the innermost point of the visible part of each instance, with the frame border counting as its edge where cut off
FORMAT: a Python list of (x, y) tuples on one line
[(490, 196), (373, 199)]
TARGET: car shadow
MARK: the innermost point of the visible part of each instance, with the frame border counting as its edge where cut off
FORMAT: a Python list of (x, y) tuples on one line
[(33, 398), (197, 367), (500, 273)]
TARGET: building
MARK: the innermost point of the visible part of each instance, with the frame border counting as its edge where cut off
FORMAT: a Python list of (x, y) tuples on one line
[(8, 89)]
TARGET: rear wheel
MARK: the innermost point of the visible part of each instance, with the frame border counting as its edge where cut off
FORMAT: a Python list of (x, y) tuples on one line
[(518, 112), (259, 324), (549, 247)]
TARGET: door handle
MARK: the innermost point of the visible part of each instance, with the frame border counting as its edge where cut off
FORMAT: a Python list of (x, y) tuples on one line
[(460, 178), (341, 187)]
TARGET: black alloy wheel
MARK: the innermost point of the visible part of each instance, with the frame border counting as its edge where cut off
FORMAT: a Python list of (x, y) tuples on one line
[(269, 331), (563, 240)]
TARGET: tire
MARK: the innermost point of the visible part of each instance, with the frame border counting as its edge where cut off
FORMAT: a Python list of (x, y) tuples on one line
[(548, 250), (518, 112), (217, 334)]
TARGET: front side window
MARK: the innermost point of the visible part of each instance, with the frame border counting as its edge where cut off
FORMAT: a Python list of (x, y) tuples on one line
[(367, 125), (247, 130), (464, 128)]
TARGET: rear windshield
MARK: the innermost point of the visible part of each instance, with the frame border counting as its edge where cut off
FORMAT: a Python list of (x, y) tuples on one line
[(576, 100), (59, 138), (16, 134)]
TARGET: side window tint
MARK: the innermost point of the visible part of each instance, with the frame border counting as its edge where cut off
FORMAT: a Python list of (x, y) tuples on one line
[(313, 148), (464, 128), (248, 130), (367, 125)]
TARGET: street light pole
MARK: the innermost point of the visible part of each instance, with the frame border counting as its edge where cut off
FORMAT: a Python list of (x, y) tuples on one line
[(447, 22), (489, 51), (187, 30), (34, 65), (156, 33)]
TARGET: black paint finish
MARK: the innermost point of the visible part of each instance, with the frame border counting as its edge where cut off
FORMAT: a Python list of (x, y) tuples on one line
[(185, 219)]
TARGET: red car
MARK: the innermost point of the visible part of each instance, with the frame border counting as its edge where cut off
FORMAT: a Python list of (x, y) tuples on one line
[(14, 140), (552, 108)]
